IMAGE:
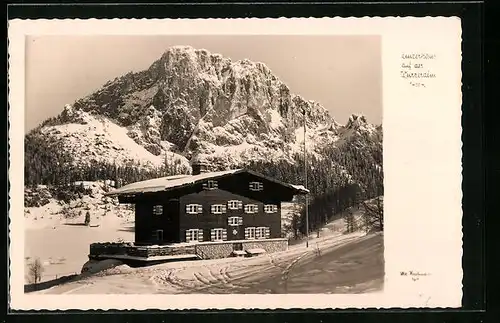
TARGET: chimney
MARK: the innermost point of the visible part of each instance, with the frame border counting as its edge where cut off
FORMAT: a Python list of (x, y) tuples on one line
[(199, 168), (199, 164)]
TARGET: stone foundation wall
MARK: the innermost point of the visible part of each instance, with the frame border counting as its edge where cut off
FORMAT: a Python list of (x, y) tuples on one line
[(269, 246), (214, 251), (210, 250), (160, 251), (225, 249), (109, 248)]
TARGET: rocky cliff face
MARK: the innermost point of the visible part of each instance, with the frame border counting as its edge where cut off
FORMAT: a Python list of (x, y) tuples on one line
[(192, 102)]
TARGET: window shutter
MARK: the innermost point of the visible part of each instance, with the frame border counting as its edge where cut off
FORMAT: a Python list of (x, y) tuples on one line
[(224, 234), (199, 208), (240, 220), (229, 221), (212, 208), (205, 186), (212, 234), (188, 237), (187, 208), (246, 208), (215, 184), (223, 208), (200, 235), (275, 208), (240, 204), (247, 233), (267, 233)]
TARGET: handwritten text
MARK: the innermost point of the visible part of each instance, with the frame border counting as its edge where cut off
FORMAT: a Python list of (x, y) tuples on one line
[(415, 275), (415, 68)]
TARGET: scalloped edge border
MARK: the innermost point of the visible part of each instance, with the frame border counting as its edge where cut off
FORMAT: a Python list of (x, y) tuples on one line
[(13, 22)]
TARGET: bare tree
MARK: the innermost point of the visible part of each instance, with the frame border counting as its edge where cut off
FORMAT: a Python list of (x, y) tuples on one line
[(374, 213), (35, 270)]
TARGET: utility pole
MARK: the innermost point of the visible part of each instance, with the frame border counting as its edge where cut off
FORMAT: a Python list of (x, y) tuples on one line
[(305, 181)]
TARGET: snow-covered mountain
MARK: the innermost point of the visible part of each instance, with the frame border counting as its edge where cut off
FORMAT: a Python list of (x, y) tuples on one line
[(192, 102)]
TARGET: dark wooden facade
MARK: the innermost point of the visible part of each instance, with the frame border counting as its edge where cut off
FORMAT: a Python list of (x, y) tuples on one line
[(175, 224), (207, 220)]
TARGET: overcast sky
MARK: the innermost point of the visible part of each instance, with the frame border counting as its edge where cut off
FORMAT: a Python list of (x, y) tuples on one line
[(343, 73)]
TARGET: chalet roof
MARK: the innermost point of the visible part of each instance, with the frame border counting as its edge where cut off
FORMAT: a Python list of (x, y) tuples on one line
[(171, 182)]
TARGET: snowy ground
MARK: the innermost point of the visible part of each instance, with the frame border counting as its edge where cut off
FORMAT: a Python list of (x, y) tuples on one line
[(65, 249), (62, 243), (350, 263)]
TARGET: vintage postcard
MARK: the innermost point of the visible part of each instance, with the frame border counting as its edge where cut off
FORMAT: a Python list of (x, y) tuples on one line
[(235, 163)]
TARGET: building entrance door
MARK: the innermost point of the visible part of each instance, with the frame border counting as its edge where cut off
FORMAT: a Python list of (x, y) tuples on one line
[(235, 229)]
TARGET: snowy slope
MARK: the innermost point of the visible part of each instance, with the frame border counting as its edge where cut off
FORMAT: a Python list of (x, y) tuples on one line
[(95, 138)]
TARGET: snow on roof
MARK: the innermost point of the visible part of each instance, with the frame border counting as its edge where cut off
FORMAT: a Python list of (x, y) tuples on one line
[(300, 188), (164, 183)]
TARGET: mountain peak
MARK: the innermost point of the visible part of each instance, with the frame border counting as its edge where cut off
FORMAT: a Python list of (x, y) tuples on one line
[(189, 51), (181, 48), (356, 121)]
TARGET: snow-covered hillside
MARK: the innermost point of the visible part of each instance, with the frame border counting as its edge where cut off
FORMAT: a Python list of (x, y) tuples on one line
[(90, 138), (49, 211)]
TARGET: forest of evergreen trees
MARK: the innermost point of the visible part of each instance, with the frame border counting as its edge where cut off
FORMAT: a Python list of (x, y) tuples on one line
[(52, 165), (346, 177)]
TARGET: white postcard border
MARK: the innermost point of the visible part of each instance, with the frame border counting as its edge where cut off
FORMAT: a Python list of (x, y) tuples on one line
[(422, 161)]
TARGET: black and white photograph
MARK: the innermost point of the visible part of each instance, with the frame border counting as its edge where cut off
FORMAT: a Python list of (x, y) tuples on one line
[(169, 161), (247, 164)]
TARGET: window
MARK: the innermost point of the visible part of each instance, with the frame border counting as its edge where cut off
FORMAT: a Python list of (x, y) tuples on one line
[(194, 235), (218, 234), (235, 205), (251, 208), (262, 233), (234, 220), (194, 209), (257, 233), (210, 185), (250, 233), (218, 208), (256, 186), (158, 209), (270, 208)]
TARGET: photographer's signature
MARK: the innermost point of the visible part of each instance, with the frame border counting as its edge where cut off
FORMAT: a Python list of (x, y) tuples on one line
[(415, 275)]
